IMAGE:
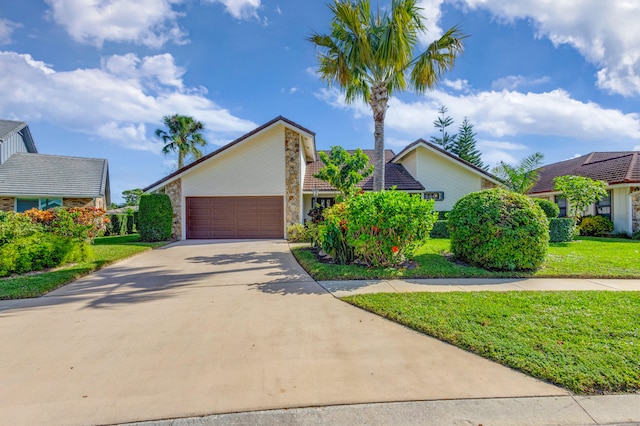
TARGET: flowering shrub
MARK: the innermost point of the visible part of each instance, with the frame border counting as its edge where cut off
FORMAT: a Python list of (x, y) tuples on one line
[(83, 223), (332, 234), (384, 228)]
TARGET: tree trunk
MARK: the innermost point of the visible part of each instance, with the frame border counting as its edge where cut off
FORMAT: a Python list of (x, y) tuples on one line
[(378, 101)]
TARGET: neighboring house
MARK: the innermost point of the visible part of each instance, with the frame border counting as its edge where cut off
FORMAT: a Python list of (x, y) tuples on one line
[(621, 171), (31, 180), (257, 185)]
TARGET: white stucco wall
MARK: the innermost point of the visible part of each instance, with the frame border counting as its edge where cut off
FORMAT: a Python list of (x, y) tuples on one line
[(439, 173), (253, 167)]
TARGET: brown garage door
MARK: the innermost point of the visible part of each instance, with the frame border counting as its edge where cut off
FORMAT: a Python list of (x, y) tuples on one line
[(235, 217)]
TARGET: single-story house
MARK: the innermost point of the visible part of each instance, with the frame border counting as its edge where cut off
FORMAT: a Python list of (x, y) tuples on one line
[(31, 180), (621, 171), (257, 185)]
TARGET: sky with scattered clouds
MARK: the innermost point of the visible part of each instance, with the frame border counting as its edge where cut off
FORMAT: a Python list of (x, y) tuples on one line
[(94, 78)]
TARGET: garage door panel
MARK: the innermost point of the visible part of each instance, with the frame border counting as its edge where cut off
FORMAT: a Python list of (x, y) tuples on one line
[(235, 217)]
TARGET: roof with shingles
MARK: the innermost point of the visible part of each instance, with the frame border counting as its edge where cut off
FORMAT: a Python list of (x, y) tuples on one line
[(394, 175), (9, 127), (52, 175), (612, 167)]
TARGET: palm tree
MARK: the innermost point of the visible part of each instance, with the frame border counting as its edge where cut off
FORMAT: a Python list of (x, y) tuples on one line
[(371, 55), (183, 136), (520, 178)]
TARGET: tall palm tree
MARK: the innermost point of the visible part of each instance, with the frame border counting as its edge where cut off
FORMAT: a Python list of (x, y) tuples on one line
[(183, 135), (522, 177), (371, 55)]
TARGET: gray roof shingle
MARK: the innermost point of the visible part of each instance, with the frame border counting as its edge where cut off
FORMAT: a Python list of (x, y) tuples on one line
[(52, 175), (9, 126), (612, 167), (394, 175)]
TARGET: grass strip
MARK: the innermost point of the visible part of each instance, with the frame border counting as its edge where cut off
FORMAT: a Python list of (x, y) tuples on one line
[(584, 258), (585, 341)]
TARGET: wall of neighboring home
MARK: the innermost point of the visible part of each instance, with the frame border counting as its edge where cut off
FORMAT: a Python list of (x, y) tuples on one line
[(78, 202), (635, 208), (438, 173), (7, 204), (253, 167), (12, 144)]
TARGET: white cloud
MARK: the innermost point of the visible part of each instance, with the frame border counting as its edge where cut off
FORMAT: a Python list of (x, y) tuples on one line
[(606, 33), (147, 22), (432, 13), (122, 101), (293, 90), (512, 82), (6, 30), (506, 113), (241, 9), (493, 152), (460, 85)]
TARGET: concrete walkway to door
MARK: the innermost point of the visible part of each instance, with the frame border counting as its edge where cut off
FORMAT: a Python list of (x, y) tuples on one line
[(199, 328)]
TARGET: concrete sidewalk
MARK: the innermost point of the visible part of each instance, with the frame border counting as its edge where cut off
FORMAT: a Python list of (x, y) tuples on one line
[(346, 288), (562, 410)]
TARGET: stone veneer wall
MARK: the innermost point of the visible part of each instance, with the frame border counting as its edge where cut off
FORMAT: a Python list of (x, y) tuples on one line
[(7, 204), (635, 207), (174, 191), (292, 170), (78, 202), (486, 184)]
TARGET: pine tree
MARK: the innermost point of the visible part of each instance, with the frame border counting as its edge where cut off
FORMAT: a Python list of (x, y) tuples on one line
[(465, 145), (445, 140)]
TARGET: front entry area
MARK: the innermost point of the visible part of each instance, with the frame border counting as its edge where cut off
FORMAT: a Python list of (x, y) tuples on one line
[(234, 217)]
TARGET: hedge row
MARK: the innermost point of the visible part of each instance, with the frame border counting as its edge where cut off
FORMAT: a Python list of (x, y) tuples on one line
[(122, 224)]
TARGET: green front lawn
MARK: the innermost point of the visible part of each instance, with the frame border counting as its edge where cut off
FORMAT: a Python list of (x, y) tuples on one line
[(587, 342), (585, 258), (106, 250)]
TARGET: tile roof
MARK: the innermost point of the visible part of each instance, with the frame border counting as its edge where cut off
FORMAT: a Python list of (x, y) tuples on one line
[(612, 167), (394, 175), (53, 175)]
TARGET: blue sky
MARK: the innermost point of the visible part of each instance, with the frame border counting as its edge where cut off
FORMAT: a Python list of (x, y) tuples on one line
[(93, 78)]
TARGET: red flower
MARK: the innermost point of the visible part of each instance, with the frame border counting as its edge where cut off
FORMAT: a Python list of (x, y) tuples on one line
[(395, 249)]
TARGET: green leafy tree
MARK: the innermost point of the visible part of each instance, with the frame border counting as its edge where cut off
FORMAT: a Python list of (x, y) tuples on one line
[(446, 141), (132, 196), (183, 135), (580, 192), (344, 171), (465, 145), (371, 55), (522, 177)]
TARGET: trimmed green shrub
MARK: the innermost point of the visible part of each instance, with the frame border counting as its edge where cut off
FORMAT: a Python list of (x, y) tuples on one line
[(384, 228), (297, 233), (440, 229), (443, 215), (13, 225), (115, 224), (39, 251), (130, 223), (156, 217), (636, 235), (500, 230), (549, 208), (136, 222), (595, 226), (561, 229)]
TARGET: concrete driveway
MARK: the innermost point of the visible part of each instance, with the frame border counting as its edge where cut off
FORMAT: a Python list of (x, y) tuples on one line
[(199, 328)]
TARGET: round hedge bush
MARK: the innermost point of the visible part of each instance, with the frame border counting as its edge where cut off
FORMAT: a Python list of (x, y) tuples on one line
[(549, 208), (500, 230)]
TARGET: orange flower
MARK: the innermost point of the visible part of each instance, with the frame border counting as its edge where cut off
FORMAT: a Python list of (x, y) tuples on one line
[(395, 249)]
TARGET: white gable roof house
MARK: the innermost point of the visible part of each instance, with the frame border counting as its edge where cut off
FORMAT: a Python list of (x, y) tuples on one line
[(257, 185)]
